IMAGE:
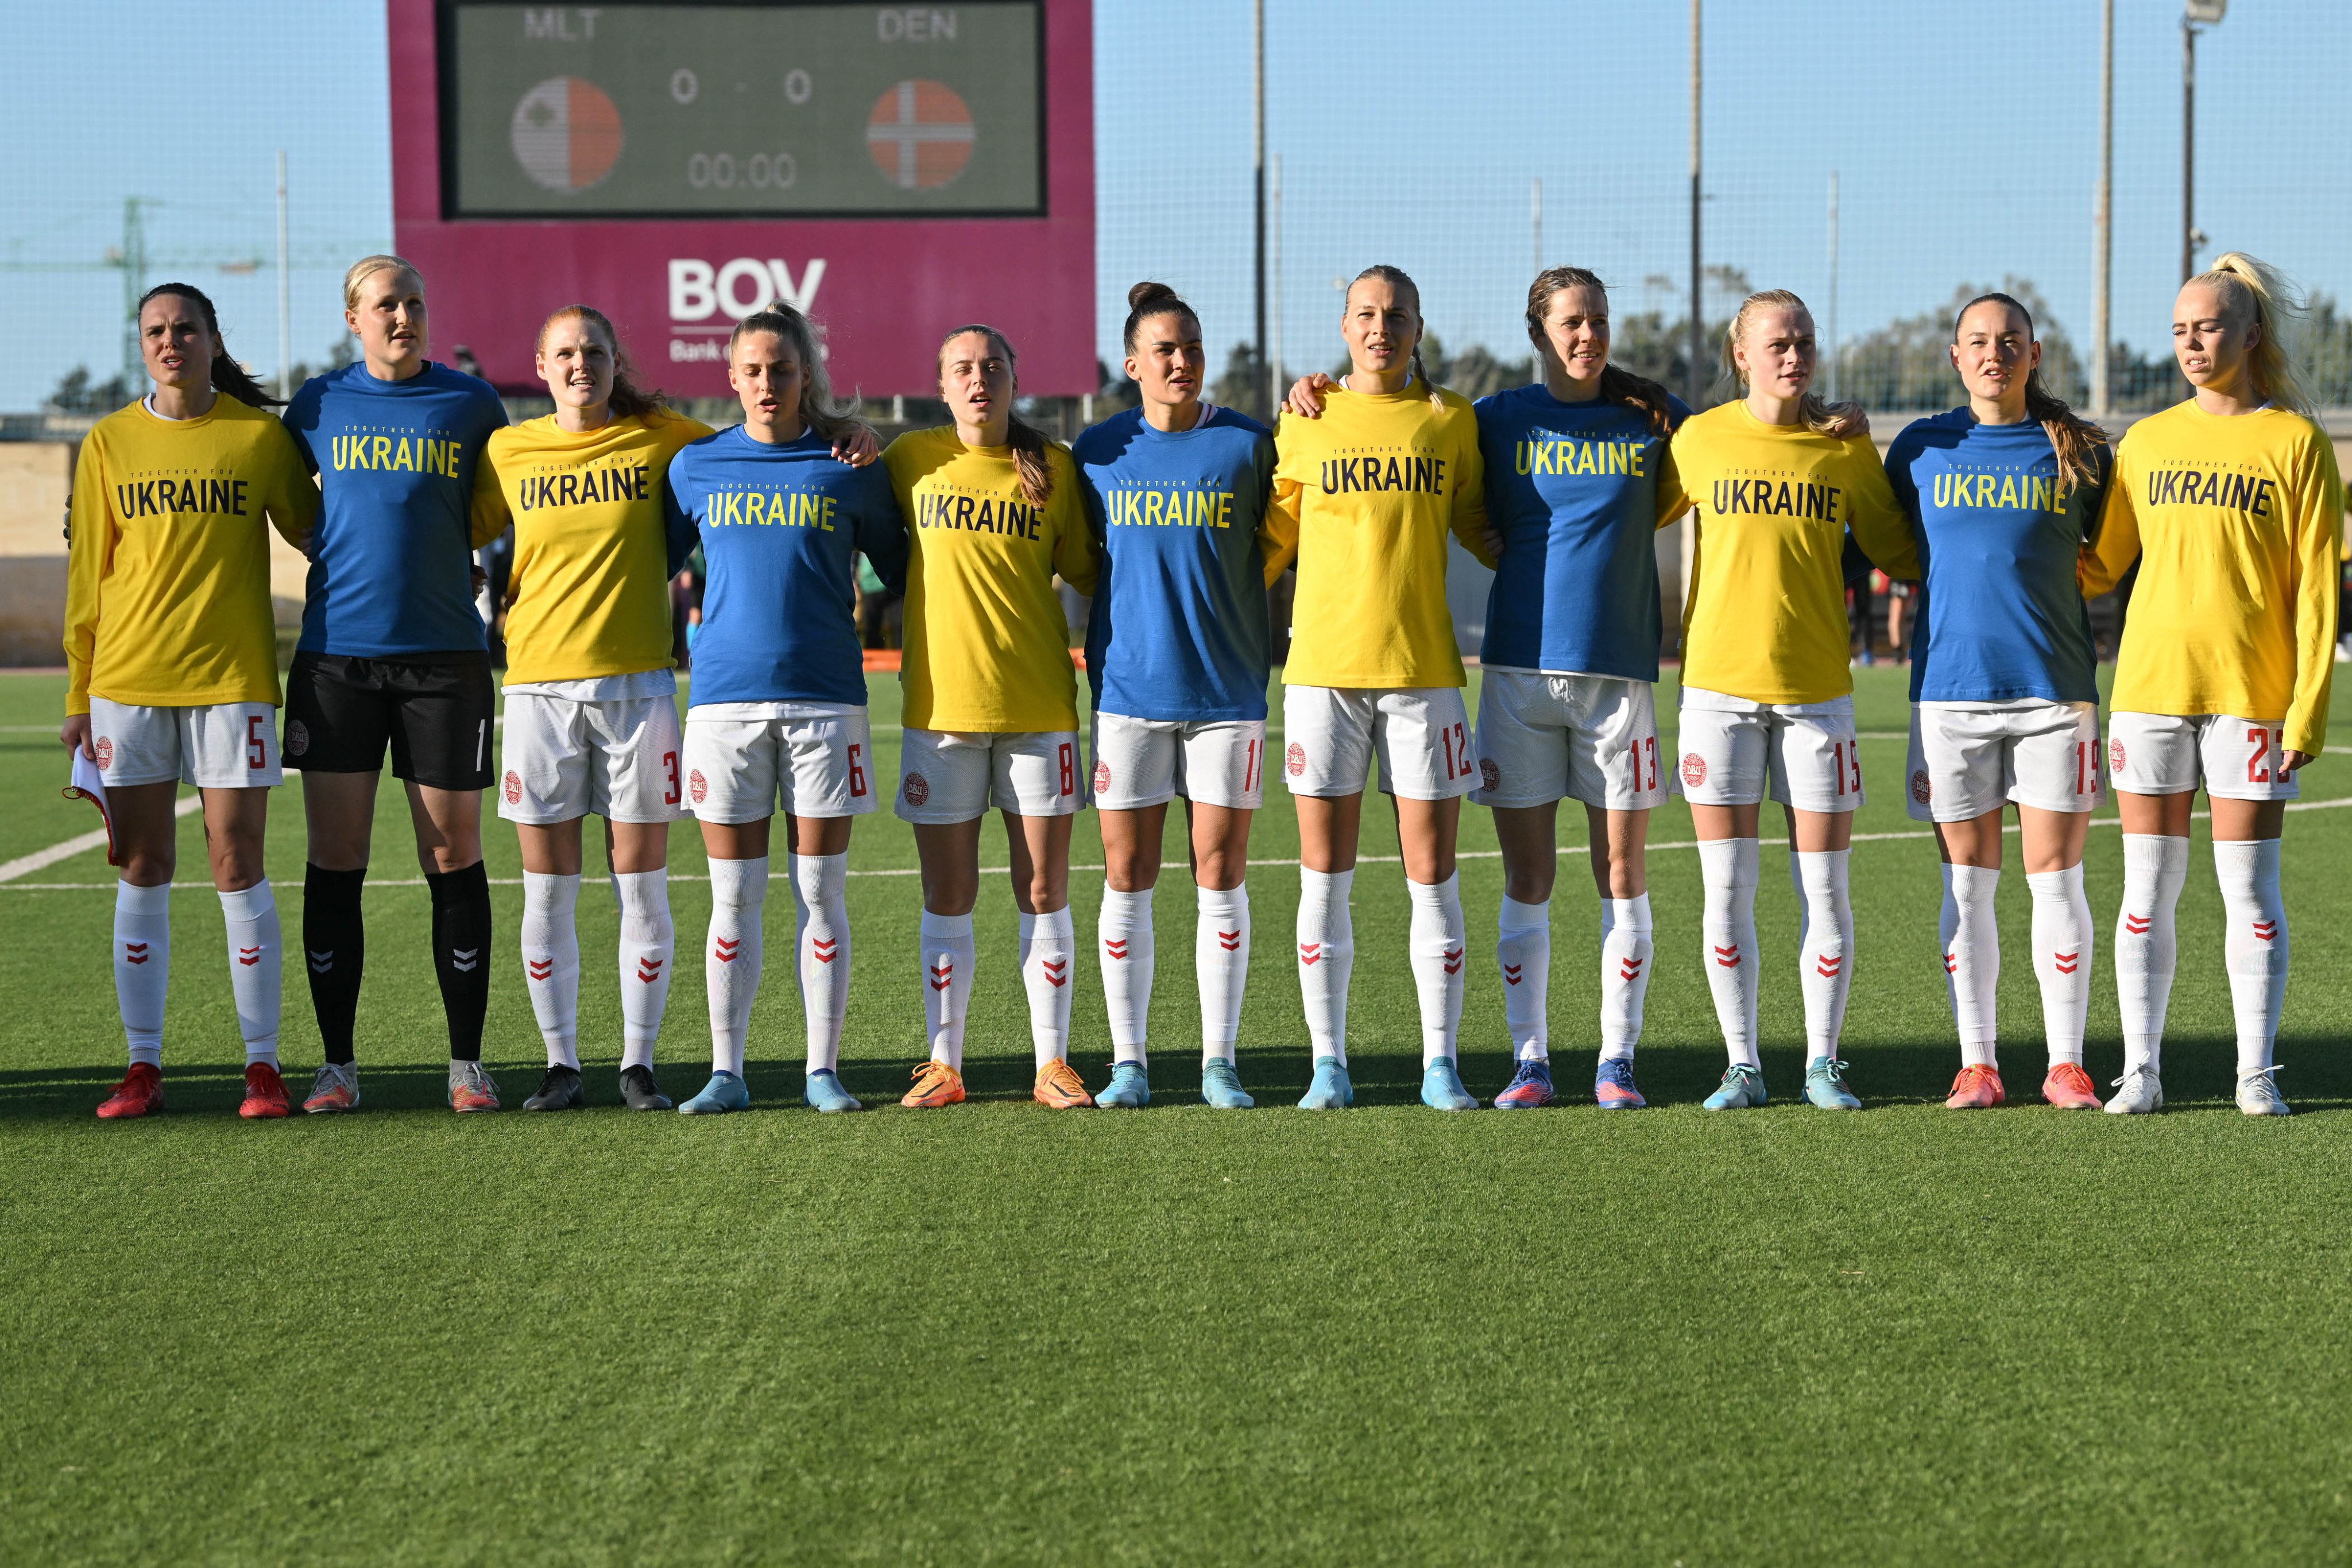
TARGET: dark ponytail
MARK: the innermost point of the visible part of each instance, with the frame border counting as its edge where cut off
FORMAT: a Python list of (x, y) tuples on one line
[(629, 399), (2071, 436), (1618, 385), (1146, 300), (225, 373), (1028, 443)]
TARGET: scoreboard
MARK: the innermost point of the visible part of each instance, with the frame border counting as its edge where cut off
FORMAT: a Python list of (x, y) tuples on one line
[(893, 170)]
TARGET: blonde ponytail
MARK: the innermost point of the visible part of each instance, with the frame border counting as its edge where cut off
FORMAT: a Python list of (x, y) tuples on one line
[(1811, 411), (1396, 278), (2276, 306)]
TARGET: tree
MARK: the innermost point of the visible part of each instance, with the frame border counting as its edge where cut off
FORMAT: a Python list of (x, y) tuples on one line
[(77, 394), (1242, 386)]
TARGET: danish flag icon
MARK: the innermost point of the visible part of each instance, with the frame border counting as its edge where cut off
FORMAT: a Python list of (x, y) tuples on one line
[(1310, 952), (248, 956), (2135, 925), (1056, 971), (1231, 941), (1452, 960), (649, 968), (2266, 929), (725, 951), (540, 968), (1827, 967), (2066, 963), (1115, 949), (824, 948), (1511, 974), (134, 952), (942, 973), (1728, 957), (1630, 969)]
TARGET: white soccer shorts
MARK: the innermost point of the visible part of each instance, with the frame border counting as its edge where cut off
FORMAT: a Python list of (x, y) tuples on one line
[(1967, 761), (1142, 762), (1591, 737), (747, 761), (2166, 754), (1420, 736), (218, 746), (1736, 752), (617, 759), (953, 775)]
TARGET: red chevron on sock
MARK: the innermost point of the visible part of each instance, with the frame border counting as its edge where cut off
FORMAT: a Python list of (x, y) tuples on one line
[(1056, 974), (1951, 963), (2266, 929), (649, 970), (942, 976), (725, 951), (822, 949), (1115, 949), (1452, 960), (1310, 952), (1511, 974), (540, 968), (135, 952), (1231, 941), (1630, 969), (248, 956), (2135, 925), (1729, 963), (1827, 967), (2066, 963)]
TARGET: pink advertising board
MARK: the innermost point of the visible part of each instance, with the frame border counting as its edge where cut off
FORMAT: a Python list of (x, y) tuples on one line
[(894, 171)]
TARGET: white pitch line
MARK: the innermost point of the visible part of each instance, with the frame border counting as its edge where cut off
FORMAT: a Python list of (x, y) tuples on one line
[(25, 865)]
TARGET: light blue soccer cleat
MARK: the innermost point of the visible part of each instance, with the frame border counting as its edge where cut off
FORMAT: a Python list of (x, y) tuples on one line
[(1128, 1089), (1330, 1091), (1441, 1087), (1825, 1085), (724, 1093), (1742, 1087), (1221, 1086), (824, 1092)]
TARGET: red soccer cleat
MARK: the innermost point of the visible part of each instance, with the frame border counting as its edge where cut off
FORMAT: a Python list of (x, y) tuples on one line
[(1976, 1089), (265, 1094), (140, 1092), (2068, 1087)]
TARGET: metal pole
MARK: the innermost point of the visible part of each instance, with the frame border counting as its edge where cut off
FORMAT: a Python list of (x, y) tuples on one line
[(2187, 151), (1698, 325), (1257, 123), (2102, 215), (285, 293), (1536, 198), (1274, 294), (1833, 285)]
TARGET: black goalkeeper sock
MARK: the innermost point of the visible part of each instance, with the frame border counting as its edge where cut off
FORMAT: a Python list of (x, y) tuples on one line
[(334, 943), (461, 954)]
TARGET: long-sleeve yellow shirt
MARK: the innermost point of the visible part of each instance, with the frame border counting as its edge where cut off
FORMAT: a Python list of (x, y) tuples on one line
[(1764, 619), (1363, 498), (590, 592), (167, 576), (987, 647), (2238, 523)]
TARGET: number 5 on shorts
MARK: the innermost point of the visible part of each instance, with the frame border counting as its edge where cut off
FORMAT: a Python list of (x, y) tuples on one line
[(257, 750)]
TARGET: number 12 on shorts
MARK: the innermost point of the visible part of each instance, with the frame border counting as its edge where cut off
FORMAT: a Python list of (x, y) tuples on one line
[(1457, 751)]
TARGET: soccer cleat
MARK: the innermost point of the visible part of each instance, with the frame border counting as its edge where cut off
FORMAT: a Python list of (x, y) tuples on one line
[(335, 1087), (2258, 1093), (1742, 1087), (1530, 1087), (1059, 1085), (1441, 1087), (2139, 1092), (823, 1091), (936, 1084), (1330, 1091), (1825, 1085), (1976, 1089), (1128, 1089), (265, 1099), (724, 1093), (140, 1092), (2069, 1088), (470, 1088), (1221, 1086), (559, 1091), (1612, 1086), (640, 1092)]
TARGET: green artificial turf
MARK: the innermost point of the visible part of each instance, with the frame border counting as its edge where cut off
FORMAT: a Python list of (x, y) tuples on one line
[(1000, 1333)]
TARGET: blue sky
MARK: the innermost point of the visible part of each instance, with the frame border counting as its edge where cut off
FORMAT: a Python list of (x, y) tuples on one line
[(1965, 137)]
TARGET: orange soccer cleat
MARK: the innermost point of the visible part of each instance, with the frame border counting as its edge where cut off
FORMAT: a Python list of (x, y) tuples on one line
[(1976, 1089), (265, 1094), (140, 1092), (936, 1084), (2068, 1087), (1060, 1087)]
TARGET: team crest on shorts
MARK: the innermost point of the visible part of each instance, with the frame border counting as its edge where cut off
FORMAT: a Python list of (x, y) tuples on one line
[(514, 787), (298, 737), (916, 788), (696, 786), (1296, 760), (1102, 777), (1490, 773), (1921, 790), (2114, 757), (105, 749), (1693, 769)]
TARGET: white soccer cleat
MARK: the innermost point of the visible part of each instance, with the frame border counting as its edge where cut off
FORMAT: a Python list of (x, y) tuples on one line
[(2258, 1094), (2138, 1092)]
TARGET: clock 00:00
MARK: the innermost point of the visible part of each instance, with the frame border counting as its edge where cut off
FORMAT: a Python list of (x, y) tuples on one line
[(760, 170)]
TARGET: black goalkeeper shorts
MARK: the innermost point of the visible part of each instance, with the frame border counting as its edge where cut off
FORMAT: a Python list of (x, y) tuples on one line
[(434, 709)]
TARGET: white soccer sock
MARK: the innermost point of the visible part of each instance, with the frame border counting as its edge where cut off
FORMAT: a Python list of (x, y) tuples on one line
[(2062, 959), (551, 962), (2255, 947), (1826, 959), (142, 965), (2154, 868), (1048, 943), (1221, 953), (648, 944), (947, 983), (1625, 952), (1729, 868), (254, 975), (1124, 928), (1972, 960), (1327, 956), (1438, 953), (730, 962), (1523, 954), (821, 941)]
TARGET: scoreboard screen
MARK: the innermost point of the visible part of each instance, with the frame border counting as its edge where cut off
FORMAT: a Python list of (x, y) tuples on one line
[(653, 110)]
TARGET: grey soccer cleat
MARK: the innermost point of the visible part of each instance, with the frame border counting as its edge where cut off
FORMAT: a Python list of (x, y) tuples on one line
[(2258, 1093), (2138, 1092)]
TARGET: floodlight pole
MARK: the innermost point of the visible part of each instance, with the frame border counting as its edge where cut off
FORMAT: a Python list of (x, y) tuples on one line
[(1535, 199), (1274, 294), (1833, 285), (285, 292), (2102, 216), (1257, 119), (1698, 328), (2188, 149)]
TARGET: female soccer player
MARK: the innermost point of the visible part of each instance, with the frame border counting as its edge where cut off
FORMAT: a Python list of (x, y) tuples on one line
[(172, 661), (392, 650), (1177, 649), (1363, 498), (1767, 698), (2232, 503), (592, 711), (2004, 689), (1578, 481), (778, 710), (990, 705)]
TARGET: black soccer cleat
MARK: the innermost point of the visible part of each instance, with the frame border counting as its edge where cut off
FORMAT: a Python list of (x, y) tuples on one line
[(638, 1091), (559, 1091)]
